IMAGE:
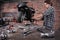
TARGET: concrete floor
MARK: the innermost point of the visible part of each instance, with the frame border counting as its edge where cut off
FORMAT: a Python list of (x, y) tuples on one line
[(33, 36)]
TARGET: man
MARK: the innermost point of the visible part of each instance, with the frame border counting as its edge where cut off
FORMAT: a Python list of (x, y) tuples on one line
[(21, 10), (25, 12), (48, 19)]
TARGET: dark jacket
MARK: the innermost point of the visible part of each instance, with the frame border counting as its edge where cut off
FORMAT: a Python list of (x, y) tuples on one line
[(49, 17)]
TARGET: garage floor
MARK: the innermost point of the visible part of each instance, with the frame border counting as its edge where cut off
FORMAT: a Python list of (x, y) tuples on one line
[(32, 36)]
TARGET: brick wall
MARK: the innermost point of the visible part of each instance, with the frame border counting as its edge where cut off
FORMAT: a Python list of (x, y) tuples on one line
[(57, 13), (38, 6)]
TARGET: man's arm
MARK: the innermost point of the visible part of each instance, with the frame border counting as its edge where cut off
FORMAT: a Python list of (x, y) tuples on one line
[(49, 11)]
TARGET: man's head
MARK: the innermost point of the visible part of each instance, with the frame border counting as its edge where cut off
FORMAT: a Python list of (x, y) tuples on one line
[(47, 3), (25, 2), (22, 4)]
